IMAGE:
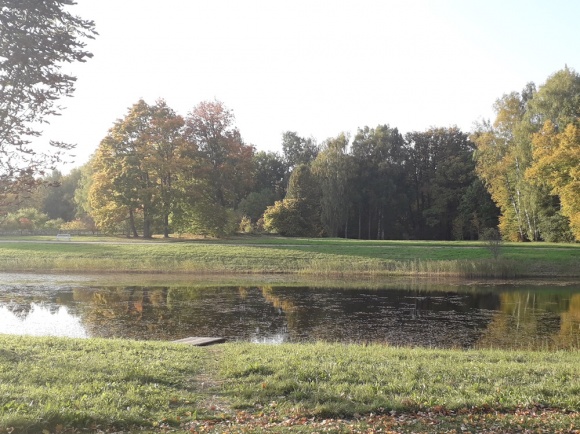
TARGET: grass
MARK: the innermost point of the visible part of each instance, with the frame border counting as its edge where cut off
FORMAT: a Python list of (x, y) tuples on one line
[(50, 383), (61, 385), (326, 380), (277, 255)]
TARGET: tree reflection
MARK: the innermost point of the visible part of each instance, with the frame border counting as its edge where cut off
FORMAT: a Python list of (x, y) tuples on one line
[(467, 318), (535, 320)]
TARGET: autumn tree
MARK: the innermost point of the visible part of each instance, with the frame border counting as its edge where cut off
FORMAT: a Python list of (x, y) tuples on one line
[(502, 157), (505, 151), (37, 38), (136, 168), (225, 159), (557, 165), (226, 167), (170, 161)]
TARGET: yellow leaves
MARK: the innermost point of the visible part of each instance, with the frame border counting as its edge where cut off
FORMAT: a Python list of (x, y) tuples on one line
[(557, 164)]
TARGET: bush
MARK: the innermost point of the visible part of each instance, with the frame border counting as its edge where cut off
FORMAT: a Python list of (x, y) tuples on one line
[(493, 240), (287, 218)]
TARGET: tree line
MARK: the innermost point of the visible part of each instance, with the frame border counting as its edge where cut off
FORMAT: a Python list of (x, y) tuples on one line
[(157, 172)]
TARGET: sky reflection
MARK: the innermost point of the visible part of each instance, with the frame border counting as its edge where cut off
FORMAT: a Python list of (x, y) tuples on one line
[(41, 321)]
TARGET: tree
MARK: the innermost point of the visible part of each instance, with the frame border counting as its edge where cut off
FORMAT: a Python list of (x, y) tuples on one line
[(56, 196), (137, 168), (557, 164), (557, 101), (284, 218), (298, 150), (503, 153), (36, 39), (476, 213), (333, 170), (25, 219), (380, 185), (120, 185), (269, 185), (299, 213), (441, 168), (255, 203), (269, 173), (225, 159), (529, 211), (170, 160)]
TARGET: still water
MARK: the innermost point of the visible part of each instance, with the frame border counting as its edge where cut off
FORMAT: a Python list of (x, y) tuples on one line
[(432, 315)]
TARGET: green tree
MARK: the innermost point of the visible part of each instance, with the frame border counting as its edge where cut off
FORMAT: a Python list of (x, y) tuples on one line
[(284, 218), (81, 197), (37, 38), (333, 169), (441, 169), (476, 213), (503, 153), (56, 196), (269, 185), (380, 184), (299, 213), (298, 150), (255, 204), (270, 173)]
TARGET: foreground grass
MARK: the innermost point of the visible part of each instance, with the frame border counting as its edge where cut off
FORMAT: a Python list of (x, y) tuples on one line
[(62, 385), (275, 255), (51, 383)]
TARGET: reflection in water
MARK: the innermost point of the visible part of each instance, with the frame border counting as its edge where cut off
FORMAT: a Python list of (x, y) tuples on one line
[(463, 318), (39, 320)]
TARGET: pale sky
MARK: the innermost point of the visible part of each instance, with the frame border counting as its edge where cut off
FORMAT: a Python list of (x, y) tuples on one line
[(316, 67)]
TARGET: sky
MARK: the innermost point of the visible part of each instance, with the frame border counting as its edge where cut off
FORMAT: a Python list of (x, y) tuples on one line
[(315, 67)]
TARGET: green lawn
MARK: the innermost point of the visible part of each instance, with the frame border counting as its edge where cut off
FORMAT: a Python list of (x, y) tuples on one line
[(290, 256), (59, 384)]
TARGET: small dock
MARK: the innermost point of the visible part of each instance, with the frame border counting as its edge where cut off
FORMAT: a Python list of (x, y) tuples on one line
[(200, 342)]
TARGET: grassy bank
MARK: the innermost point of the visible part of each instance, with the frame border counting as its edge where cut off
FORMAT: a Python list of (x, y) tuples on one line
[(291, 256), (61, 385)]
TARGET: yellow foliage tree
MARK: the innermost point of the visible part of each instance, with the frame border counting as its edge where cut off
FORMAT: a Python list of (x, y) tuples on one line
[(557, 164)]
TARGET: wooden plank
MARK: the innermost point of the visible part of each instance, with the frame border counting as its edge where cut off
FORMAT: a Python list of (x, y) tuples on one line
[(200, 342)]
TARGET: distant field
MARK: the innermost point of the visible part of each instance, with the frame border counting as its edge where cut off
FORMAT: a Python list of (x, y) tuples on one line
[(279, 255)]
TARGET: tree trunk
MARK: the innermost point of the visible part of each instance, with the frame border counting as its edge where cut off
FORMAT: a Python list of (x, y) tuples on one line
[(166, 226), (132, 224)]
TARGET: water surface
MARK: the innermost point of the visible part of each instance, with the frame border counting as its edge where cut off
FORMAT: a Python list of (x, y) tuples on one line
[(455, 316)]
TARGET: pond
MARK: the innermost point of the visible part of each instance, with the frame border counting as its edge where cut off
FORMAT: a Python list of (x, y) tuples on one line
[(472, 315)]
